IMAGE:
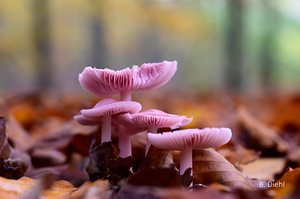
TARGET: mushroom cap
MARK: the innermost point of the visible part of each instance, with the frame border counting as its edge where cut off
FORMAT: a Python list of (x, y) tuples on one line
[(191, 138), (107, 82), (154, 75), (111, 106), (154, 118), (86, 120)]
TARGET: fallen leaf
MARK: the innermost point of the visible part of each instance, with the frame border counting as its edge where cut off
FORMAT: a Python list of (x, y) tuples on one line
[(137, 192), (105, 164), (155, 157), (47, 157), (238, 154), (14, 189), (259, 136), (156, 177), (18, 134), (293, 158), (186, 178), (92, 190), (264, 168), (13, 163), (288, 185), (211, 167)]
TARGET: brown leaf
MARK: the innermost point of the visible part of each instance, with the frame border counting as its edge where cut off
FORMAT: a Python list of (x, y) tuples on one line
[(137, 192), (239, 154), (36, 191), (187, 178), (42, 157), (155, 157), (105, 163), (264, 168), (156, 177), (293, 158), (211, 167), (13, 163), (13, 189), (92, 190), (289, 185), (19, 136), (259, 135)]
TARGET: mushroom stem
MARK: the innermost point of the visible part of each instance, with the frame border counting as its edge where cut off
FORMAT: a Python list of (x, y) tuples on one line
[(126, 95), (124, 143), (148, 144), (186, 160), (106, 129)]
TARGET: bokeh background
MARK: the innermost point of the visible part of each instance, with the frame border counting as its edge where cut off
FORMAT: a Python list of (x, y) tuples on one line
[(243, 46)]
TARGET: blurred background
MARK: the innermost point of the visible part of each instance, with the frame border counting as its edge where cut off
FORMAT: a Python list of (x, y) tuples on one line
[(245, 46)]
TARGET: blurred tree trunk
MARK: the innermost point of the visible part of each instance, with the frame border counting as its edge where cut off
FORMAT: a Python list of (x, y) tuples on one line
[(150, 47), (268, 48), (41, 42), (234, 46), (98, 50)]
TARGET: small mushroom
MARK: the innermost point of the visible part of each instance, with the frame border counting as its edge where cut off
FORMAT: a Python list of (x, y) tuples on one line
[(188, 140), (151, 120), (104, 110), (107, 82)]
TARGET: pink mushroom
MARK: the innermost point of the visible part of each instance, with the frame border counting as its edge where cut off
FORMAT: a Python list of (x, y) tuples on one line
[(189, 139), (104, 110), (107, 82), (151, 120)]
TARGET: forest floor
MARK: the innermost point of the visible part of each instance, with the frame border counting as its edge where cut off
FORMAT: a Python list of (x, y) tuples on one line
[(45, 152)]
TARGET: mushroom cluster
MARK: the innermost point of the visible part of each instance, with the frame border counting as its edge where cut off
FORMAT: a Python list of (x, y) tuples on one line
[(124, 114)]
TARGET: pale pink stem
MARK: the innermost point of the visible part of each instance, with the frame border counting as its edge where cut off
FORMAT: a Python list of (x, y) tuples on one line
[(106, 129), (126, 95), (186, 160), (124, 139), (152, 129), (124, 143)]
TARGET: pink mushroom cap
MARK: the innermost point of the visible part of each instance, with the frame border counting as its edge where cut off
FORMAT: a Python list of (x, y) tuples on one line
[(86, 120), (191, 138), (107, 82), (111, 107), (154, 118)]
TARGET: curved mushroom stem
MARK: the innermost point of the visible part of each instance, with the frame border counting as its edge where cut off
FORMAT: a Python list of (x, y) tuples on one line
[(106, 129), (148, 145), (124, 143), (126, 95), (186, 160)]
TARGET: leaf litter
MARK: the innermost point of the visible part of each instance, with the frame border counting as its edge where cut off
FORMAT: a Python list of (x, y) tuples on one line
[(31, 149)]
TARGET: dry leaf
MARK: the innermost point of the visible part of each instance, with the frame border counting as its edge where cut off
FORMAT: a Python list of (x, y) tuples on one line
[(13, 163), (104, 163), (92, 190), (264, 168), (239, 154), (138, 192), (18, 134), (260, 136), (293, 158), (156, 177), (13, 189), (156, 157), (289, 185), (47, 157), (211, 167)]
